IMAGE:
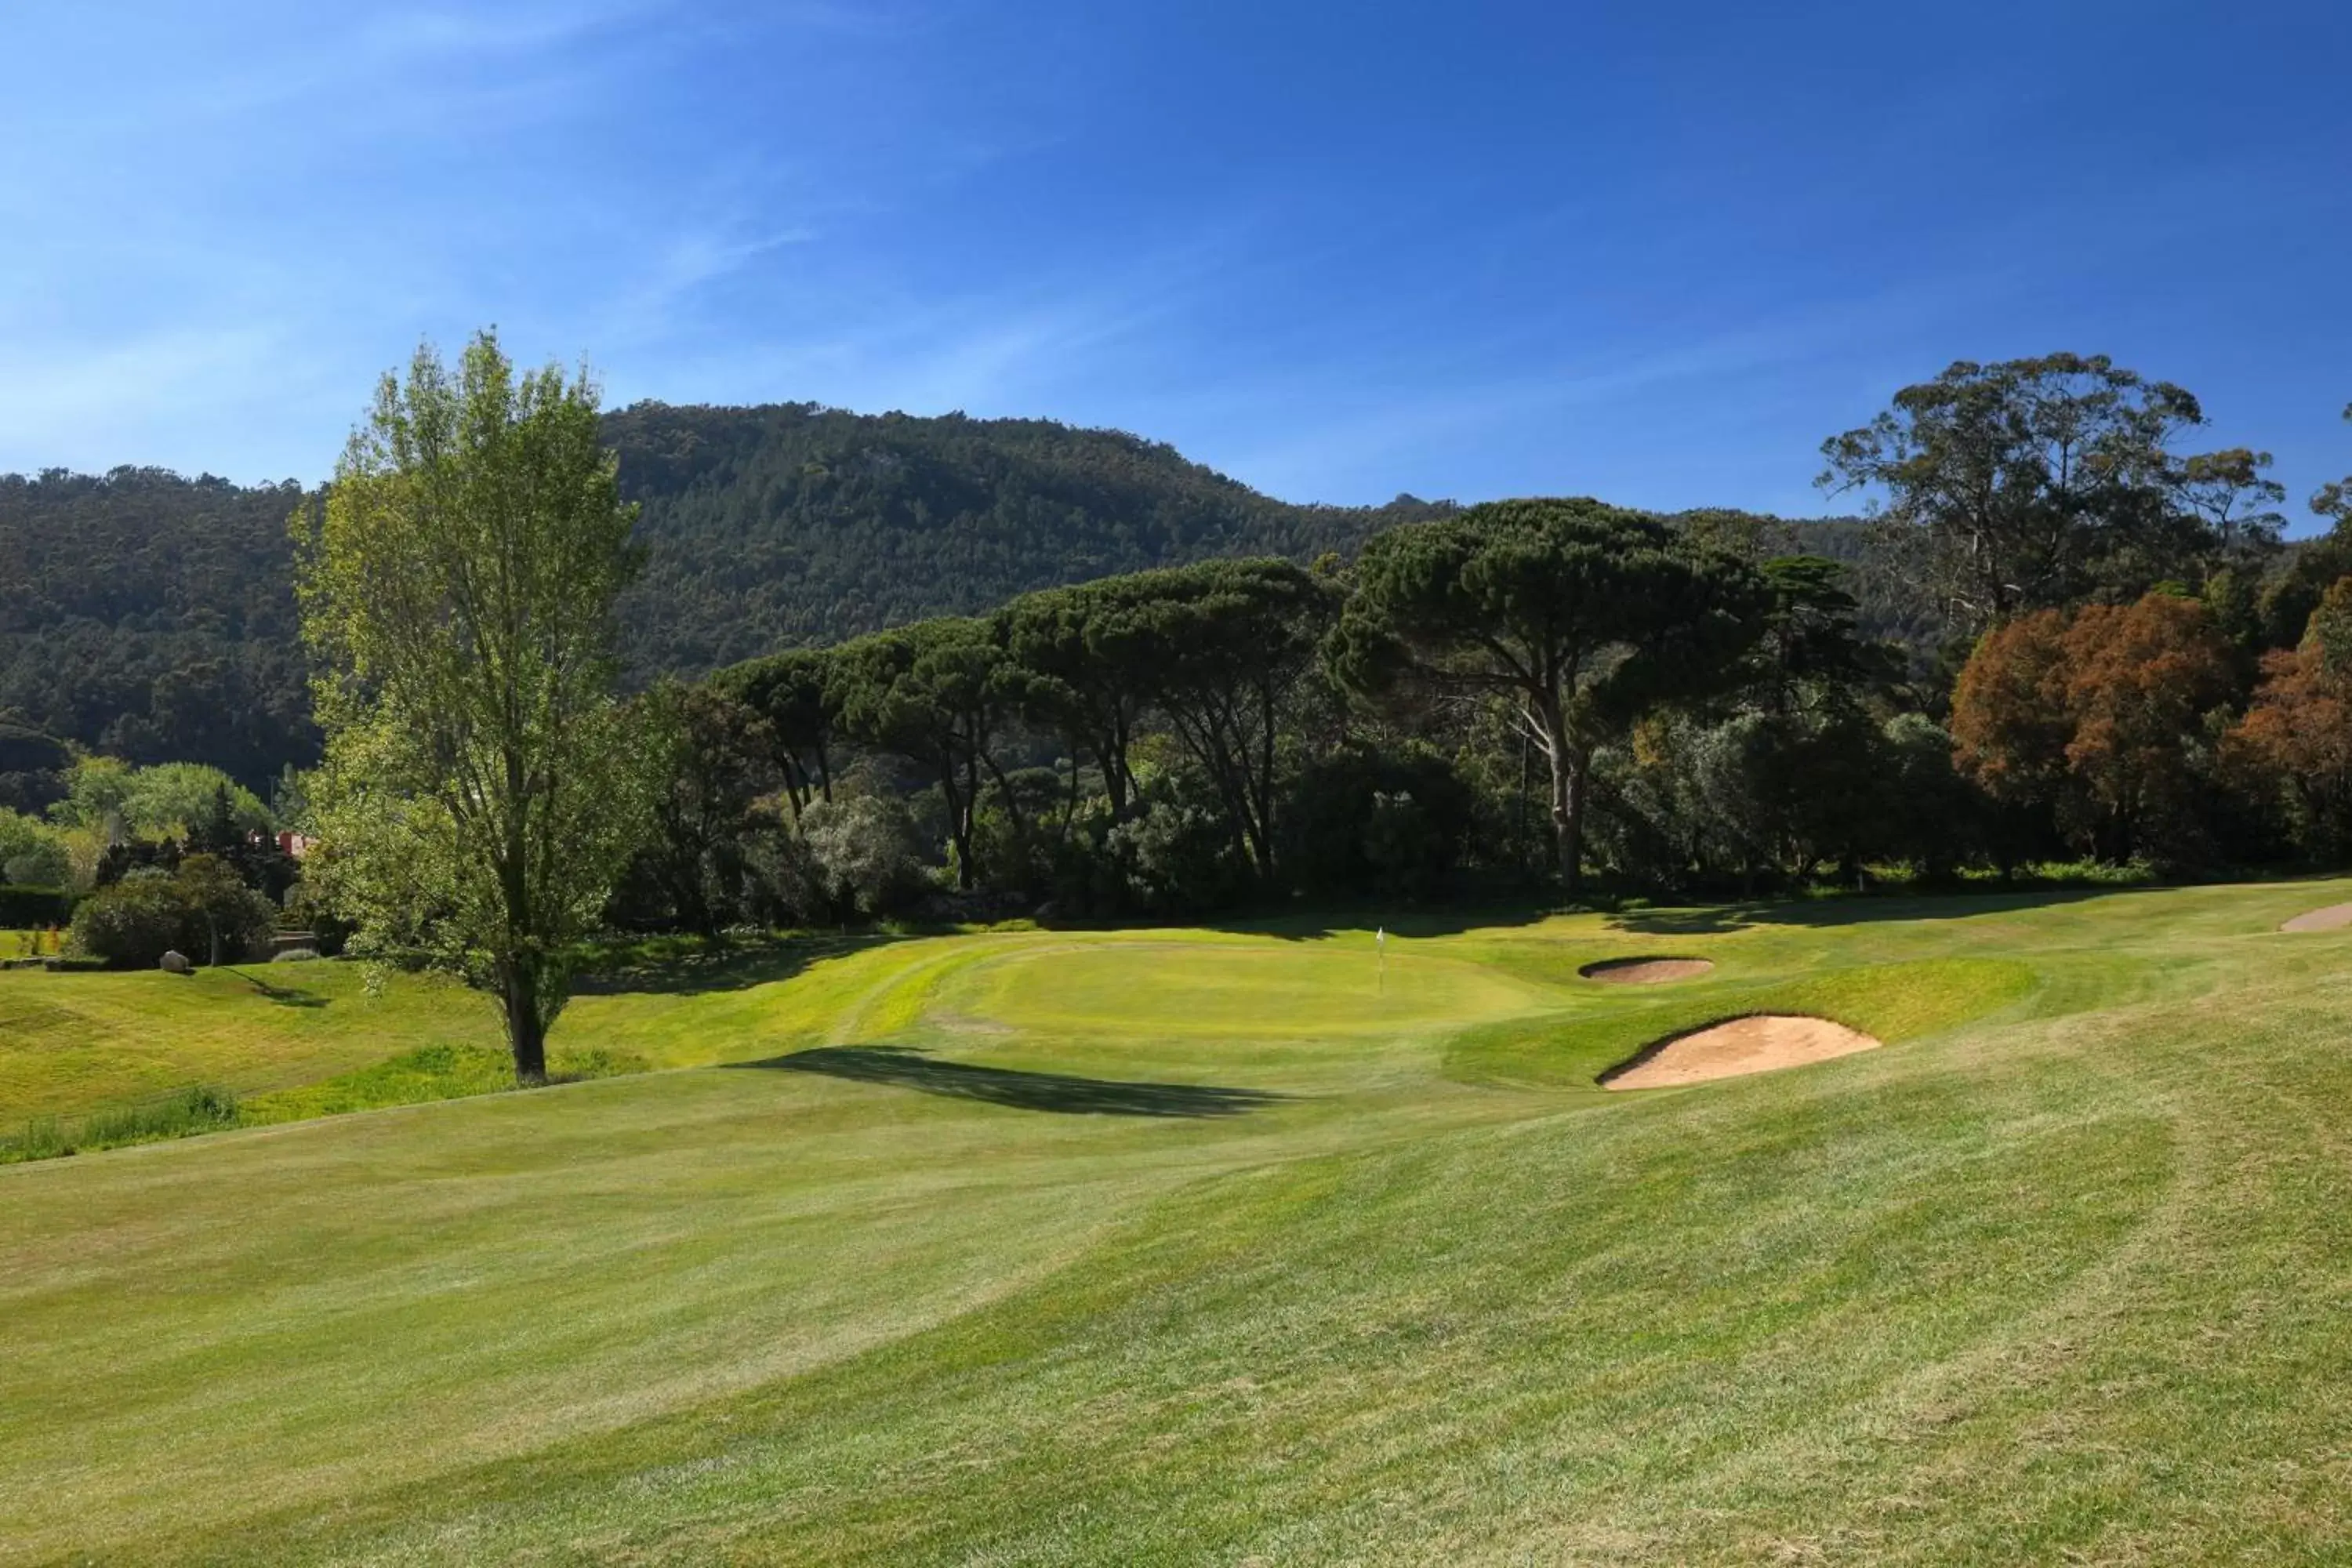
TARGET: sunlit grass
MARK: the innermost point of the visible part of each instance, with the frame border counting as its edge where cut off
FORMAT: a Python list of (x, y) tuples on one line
[(2057, 1275)]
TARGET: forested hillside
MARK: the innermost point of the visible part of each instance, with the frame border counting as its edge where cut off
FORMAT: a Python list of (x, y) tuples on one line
[(152, 617), (794, 523)]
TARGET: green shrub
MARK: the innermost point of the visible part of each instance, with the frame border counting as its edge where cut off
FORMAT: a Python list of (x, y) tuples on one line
[(132, 923)]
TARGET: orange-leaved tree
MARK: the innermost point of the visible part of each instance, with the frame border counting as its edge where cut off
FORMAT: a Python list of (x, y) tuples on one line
[(2102, 718), (2294, 747)]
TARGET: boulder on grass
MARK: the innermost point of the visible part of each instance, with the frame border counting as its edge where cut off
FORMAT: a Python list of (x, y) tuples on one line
[(174, 962)]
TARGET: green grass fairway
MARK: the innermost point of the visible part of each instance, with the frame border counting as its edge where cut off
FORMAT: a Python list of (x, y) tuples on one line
[(1178, 1248)]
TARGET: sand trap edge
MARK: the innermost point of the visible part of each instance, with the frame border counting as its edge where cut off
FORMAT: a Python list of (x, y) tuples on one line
[(1738, 1047), (2333, 917), (1645, 970)]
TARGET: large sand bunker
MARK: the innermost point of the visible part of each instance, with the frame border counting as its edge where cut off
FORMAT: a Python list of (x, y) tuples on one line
[(1736, 1048), (2334, 917), (1645, 970)]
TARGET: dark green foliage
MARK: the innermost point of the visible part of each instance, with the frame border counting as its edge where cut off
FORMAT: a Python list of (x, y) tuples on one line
[(716, 754), (149, 616), (1177, 858), (866, 855), (1581, 616), (1369, 823), (934, 695), (34, 908), (795, 702), (1227, 650), (795, 523), (152, 616)]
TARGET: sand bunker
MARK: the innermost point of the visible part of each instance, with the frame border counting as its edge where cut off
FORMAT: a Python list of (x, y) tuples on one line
[(1645, 970), (1741, 1046), (2334, 917)]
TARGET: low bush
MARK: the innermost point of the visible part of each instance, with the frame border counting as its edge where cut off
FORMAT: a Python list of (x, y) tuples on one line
[(133, 922), (295, 955)]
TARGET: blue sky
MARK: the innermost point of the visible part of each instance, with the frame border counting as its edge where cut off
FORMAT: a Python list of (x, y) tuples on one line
[(1652, 252)]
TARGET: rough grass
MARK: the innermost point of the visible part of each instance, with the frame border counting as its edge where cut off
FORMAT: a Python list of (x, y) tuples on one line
[(199, 1108), (2061, 1274)]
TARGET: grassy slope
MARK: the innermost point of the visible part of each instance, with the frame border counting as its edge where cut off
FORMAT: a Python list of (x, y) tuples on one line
[(2065, 1271), (312, 1037)]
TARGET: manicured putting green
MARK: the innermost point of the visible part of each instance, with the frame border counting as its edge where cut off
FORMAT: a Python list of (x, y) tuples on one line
[(957, 1262)]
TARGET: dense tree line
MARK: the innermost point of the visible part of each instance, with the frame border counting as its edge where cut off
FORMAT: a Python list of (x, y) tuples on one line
[(2105, 653), (2063, 631), (152, 617)]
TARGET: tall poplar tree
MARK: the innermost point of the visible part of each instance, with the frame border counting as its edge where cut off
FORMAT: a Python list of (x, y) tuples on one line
[(480, 790)]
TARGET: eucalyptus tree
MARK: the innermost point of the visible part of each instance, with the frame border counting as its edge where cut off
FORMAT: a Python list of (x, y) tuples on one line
[(2035, 482), (1579, 614), (481, 789)]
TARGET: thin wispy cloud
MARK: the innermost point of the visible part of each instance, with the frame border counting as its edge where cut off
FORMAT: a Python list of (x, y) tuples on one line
[(1439, 255)]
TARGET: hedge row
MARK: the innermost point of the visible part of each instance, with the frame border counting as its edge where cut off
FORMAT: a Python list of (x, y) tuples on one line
[(33, 909)]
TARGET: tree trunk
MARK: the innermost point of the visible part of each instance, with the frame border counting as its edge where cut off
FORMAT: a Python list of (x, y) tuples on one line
[(1568, 776), (1569, 816), (958, 824), (525, 1035)]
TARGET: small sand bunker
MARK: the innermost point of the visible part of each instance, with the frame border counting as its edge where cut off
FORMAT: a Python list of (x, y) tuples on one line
[(1645, 970), (2334, 917), (1741, 1046)]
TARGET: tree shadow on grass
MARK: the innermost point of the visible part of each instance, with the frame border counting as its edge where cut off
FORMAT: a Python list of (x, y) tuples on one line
[(1720, 919), (737, 966), (1060, 1093), (283, 995)]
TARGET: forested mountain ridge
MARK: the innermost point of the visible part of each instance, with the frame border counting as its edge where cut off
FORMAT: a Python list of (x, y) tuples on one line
[(152, 616), (796, 523)]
